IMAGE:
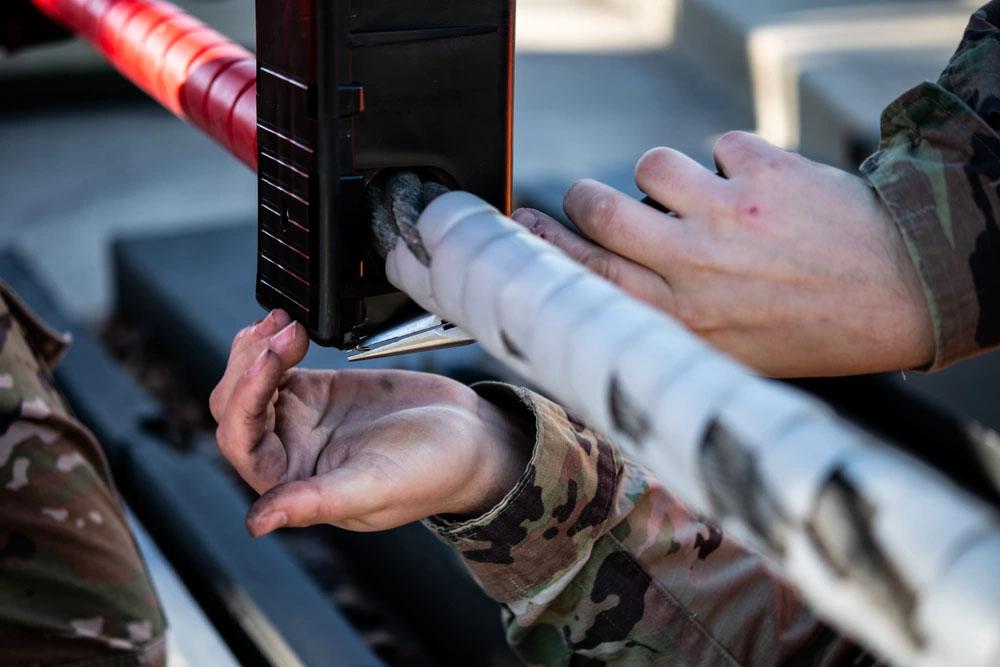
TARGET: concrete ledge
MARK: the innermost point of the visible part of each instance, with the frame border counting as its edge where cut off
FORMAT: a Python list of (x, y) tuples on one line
[(598, 25), (193, 290), (841, 98), (191, 639), (594, 115), (819, 71)]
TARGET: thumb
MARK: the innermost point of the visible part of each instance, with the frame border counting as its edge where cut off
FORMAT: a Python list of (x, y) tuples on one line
[(327, 499)]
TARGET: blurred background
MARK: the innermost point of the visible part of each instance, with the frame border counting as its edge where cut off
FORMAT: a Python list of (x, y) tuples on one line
[(138, 233)]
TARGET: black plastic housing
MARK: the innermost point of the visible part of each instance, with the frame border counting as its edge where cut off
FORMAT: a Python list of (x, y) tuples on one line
[(346, 89)]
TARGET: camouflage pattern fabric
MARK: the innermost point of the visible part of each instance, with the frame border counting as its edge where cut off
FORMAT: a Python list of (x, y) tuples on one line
[(595, 563), (937, 170), (73, 587)]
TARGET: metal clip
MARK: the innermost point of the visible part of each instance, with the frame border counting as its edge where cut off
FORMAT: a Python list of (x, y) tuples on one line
[(425, 333)]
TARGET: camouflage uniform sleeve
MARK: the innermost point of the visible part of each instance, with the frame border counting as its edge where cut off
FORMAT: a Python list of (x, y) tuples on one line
[(937, 170), (591, 558), (73, 587)]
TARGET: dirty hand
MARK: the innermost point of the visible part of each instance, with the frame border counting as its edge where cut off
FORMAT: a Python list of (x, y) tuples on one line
[(792, 267), (362, 450)]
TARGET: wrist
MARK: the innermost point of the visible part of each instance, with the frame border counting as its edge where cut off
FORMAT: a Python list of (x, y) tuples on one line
[(917, 342), (920, 349), (504, 446)]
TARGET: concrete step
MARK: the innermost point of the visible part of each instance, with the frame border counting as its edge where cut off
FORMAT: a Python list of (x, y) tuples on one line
[(542, 25), (192, 290), (964, 391), (82, 177), (593, 115), (595, 25), (841, 98), (191, 640), (818, 72)]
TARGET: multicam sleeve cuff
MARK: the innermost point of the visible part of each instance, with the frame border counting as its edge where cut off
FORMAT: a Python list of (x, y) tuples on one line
[(592, 558), (937, 170), (541, 531)]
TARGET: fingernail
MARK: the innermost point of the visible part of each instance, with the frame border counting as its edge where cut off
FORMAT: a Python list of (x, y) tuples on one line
[(268, 523), (284, 339), (266, 326), (525, 217), (281, 318), (576, 186)]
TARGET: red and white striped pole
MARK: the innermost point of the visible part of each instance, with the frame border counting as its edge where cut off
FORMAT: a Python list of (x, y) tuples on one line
[(193, 71)]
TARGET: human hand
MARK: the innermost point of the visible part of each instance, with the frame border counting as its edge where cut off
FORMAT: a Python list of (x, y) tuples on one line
[(793, 267), (362, 450)]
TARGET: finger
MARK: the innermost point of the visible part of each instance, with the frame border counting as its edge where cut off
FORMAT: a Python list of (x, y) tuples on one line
[(246, 347), (741, 152), (623, 225), (639, 281), (290, 343), (242, 432), (252, 392), (677, 182), (275, 321), (549, 229), (328, 499)]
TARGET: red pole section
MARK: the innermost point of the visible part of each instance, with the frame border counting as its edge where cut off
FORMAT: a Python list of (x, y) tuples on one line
[(189, 68)]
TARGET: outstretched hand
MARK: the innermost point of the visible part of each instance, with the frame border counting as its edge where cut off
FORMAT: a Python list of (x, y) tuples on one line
[(363, 450), (793, 267)]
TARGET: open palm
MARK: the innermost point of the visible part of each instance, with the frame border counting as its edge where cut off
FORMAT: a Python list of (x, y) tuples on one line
[(363, 450)]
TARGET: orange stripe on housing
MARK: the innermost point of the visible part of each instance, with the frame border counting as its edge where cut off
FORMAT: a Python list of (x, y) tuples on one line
[(509, 189)]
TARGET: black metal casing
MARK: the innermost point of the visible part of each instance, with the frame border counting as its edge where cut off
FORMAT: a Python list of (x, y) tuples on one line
[(345, 89)]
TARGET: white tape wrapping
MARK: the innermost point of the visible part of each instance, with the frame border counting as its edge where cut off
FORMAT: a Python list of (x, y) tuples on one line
[(882, 546)]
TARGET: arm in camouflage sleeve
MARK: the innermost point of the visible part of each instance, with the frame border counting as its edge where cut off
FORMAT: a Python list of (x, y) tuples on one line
[(590, 556), (937, 171)]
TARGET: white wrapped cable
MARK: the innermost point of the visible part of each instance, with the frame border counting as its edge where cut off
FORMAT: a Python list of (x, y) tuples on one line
[(880, 544)]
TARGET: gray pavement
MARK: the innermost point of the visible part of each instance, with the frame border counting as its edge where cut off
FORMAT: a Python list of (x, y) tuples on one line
[(72, 181), (594, 115), (819, 72), (842, 95), (191, 639)]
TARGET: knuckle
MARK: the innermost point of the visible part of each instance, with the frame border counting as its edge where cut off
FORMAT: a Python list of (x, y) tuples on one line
[(703, 260), (778, 162), (221, 436), (693, 316), (733, 207), (603, 211), (239, 337), (731, 141), (655, 163), (599, 263), (734, 204), (545, 230), (214, 403)]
